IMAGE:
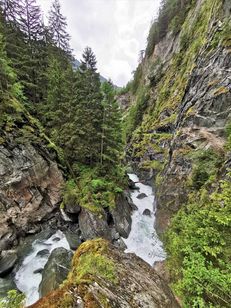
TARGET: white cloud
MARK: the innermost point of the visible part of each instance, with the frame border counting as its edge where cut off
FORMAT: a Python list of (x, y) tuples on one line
[(116, 30)]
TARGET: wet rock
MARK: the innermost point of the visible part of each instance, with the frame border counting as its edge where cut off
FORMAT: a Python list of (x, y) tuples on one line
[(132, 185), (161, 269), (73, 240), (38, 271), (122, 214), (141, 196), (43, 253), (30, 189), (147, 212), (72, 209), (6, 284), (56, 270), (93, 225), (56, 239), (133, 282), (7, 262)]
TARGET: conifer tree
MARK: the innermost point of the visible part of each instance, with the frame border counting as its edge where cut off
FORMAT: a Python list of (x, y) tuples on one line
[(111, 137), (89, 60), (59, 94), (9, 88), (57, 28), (83, 132)]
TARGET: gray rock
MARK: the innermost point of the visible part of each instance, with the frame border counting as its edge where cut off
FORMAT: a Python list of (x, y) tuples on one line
[(73, 240), (30, 189), (93, 225), (38, 271), (72, 209), (7, 262), (147, 212), (43, 253), (141, 196), (56, 270), (122, 214)]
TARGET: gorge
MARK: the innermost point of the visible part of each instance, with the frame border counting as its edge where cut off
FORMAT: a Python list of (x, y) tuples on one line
[(116, 197)]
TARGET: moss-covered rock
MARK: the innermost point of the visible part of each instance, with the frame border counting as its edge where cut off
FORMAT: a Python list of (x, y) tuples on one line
[(103, 276)]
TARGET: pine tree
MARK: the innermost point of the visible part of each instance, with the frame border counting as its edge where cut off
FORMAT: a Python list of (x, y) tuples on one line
[(89, 60), (10, 10), (56, 109), (82, 133), (9, 88), (57, 28), (111, 136)]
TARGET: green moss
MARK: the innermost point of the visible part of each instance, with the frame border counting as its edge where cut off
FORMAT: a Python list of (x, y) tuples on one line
[(91, 261), (93, 191)]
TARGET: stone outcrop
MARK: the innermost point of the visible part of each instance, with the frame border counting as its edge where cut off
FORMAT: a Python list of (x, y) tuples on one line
[(103, 276), (30, 190), (109, 224), (55, 270)]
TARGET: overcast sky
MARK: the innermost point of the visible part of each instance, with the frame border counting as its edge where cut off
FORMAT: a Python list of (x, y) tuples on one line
[(116, 30)]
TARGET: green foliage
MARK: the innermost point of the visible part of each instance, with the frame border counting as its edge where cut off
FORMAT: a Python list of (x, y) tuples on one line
[(91, 261), (205, 164), (96, 265), (199, 248), (228, 134), (136, 113), (93, 190), (111, 129), (171, 16), (13, 300)]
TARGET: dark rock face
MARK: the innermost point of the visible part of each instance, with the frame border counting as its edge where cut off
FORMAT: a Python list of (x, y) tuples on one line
[(43, 253), (137, 284), (30, 189), (56, 270), (70, 209), (7, 262), (93, 225), (122, 214), (141, 196), (147, 212), (73, 240)]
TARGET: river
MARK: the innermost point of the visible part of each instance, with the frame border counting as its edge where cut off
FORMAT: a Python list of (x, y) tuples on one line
[(143, 239)]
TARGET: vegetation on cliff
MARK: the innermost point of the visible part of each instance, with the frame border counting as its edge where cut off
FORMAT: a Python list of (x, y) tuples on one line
[(73, 114), (170, 131)]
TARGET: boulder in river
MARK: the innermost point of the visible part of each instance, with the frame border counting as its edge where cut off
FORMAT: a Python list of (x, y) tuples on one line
[(141, 196), (55, 270), (147, 212), (73, 240), (93, 225), (104, 276), (43, 253), (122, 214), (7, 262)]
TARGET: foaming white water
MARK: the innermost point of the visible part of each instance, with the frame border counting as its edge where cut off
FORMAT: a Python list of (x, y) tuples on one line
[(26, 280), (143, 240)]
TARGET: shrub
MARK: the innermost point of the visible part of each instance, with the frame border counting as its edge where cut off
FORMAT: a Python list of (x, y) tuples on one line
[(14, 299)]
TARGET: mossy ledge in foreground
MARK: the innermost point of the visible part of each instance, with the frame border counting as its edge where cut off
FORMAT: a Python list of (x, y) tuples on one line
[(104, 276)]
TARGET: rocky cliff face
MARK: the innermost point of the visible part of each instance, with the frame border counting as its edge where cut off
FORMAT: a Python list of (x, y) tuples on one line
[(103, 276), (30, 189), (187, 79)]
